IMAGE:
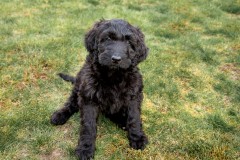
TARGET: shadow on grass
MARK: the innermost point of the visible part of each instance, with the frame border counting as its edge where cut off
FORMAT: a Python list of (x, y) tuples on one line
[(219, 123)]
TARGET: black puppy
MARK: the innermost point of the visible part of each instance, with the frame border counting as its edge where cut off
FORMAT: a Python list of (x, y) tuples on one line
[(109, 82)]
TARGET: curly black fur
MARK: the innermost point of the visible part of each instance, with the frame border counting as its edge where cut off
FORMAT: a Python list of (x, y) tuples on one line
[(108, 83)]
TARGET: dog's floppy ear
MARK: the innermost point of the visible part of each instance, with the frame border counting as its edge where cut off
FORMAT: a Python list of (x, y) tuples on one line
[(92, 36), (141, 48)]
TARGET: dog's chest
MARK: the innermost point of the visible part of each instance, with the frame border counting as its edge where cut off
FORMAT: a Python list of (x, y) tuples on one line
[(112, 97), (110, 92)]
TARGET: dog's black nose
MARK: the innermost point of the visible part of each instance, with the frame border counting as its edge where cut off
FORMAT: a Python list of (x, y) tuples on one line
[(116, 59)]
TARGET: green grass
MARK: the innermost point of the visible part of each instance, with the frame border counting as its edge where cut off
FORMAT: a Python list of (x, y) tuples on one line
[(192, 77)]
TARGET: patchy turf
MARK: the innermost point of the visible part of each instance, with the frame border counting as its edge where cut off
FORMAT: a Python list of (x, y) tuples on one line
[(192, 77)]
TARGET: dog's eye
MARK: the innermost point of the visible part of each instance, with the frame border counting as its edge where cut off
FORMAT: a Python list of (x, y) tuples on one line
[(106, 39)]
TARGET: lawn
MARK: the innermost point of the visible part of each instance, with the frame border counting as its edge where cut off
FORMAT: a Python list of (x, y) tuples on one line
[(191, 107)]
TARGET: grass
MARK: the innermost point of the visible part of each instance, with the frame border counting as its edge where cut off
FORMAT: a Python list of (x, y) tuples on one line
[(192, 77)]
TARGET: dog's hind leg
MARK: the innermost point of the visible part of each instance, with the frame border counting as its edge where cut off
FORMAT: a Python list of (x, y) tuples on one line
[(61, 116)]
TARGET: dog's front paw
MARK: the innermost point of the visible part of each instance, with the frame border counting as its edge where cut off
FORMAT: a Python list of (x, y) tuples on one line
[(58, 118), (84, 154), (139, 143)]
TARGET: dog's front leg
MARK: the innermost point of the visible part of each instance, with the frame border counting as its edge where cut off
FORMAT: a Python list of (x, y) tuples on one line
[(86, 144), (136, 136)]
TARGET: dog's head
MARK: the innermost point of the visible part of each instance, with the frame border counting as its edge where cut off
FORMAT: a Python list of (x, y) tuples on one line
[(116, 44)]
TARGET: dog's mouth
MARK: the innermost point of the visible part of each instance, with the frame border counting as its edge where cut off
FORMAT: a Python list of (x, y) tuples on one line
[(122, 65), (115, 66)]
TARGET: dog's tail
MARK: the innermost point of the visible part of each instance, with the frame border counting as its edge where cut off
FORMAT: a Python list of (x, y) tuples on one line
[(67, 78)]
